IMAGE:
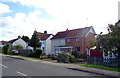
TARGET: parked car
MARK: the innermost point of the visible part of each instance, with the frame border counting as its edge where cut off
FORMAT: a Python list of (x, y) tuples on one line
[(15, 52), (53, 55)]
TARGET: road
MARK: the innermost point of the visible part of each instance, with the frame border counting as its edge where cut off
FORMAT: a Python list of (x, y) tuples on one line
[(21, 67)]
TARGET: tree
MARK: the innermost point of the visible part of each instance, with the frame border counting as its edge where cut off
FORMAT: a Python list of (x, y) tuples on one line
[(6, 48), (34, 41), (25, 38), (110, 41)]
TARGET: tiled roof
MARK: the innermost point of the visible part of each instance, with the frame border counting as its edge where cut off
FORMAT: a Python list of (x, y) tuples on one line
[(13, 40), (81, 32), (3, 42), (43, 36)]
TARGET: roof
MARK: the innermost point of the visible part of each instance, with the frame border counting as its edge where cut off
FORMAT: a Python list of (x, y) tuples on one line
[(13, 40), (81, 32), (3, 42), (43, 36)]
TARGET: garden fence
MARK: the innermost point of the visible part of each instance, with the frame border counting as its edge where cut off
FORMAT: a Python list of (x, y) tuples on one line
[(109, 62)]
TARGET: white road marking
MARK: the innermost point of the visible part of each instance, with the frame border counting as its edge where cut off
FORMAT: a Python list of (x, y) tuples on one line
[(22, 73), (3, 65)]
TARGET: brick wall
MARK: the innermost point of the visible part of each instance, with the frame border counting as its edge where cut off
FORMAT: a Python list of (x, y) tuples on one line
[(83, 44)]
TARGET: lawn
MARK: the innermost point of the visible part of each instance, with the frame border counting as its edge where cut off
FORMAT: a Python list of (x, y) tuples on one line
[(100, 67), (23, 56)]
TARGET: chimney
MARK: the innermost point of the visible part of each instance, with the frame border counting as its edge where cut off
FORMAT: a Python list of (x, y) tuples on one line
[(19, 37), (45, 32), (67, 29)]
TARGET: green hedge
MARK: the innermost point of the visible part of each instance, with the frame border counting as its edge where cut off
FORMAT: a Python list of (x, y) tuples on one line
[(65, 57), (36, 54)]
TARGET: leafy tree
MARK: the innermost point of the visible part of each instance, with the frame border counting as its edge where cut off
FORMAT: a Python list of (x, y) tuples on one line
[(110, 41), (25, 38), (34, 41), (6, 48)]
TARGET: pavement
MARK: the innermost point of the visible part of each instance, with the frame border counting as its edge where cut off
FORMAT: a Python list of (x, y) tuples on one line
[(75, 67)]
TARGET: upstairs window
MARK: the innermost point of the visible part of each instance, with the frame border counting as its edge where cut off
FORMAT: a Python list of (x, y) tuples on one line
[(68, 40), (61, 41), (78, 39)]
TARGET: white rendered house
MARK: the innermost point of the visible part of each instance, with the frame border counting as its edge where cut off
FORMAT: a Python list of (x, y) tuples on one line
[(18, 41), (45, 42)]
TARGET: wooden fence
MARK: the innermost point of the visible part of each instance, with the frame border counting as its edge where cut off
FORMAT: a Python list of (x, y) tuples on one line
[(109, 62)]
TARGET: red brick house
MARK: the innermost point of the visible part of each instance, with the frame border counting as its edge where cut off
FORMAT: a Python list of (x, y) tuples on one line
[(73, 40)]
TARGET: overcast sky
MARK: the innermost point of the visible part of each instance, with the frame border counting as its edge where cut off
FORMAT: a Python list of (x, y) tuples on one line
[(22, 17)]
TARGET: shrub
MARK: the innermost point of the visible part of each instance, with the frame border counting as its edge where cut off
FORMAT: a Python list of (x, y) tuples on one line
[(63, 58), (36, 54), (72, 58), (81, 55), (31, 55), (6, 48)]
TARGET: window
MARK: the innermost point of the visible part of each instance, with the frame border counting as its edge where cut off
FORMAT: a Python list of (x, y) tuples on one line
[(68, 40), (77, 49), (61, 41), (78, 39)]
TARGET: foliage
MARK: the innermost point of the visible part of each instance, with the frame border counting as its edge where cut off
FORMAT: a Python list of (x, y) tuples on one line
[(72, 59), (34, 41), (110, 41), (5, 48), (36, 54), (63, 58), (81, 55), (25, 38)]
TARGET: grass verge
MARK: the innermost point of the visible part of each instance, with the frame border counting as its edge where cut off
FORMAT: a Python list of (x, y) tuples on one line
[(100, 67), (23, 56)]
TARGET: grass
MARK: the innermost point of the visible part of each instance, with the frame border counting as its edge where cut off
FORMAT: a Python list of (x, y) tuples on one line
[(22, 56), (100, 67)]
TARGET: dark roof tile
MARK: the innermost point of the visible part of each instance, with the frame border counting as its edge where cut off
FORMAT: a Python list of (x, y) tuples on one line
[(81, 32), (43, 36)]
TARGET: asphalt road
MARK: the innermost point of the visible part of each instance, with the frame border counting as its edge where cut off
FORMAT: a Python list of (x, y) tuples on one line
[(20, 67)]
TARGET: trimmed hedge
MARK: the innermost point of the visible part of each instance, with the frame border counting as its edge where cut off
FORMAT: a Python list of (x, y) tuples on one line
[(36, 54)]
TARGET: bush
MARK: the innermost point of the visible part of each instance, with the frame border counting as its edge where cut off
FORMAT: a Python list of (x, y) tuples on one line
[(6, 48), (72, 58), (31, 55), (66, 57), (36, 54), (81, 55), (63, 58)]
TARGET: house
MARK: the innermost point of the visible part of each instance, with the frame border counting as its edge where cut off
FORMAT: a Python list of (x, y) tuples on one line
[(73, 40), (2, 43), (45, 41), (18, 41)]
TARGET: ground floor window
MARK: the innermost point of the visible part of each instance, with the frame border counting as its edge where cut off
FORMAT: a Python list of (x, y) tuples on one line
[(77, 49)]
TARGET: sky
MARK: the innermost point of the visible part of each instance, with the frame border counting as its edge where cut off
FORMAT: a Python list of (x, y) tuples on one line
[(22, 17)]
